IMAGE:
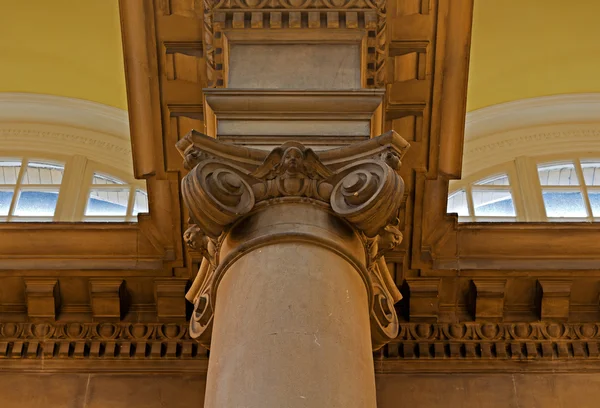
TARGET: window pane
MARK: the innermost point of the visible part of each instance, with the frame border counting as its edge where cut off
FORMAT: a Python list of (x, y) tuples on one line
[(141, 202), (558, 175), (104, 179), (5, 199), (36, 203), (9, 172), (457, 203), (591, 173), (497, 180), (595, 203), (43, 173), (107, 202), (493, 203), (564, 204)]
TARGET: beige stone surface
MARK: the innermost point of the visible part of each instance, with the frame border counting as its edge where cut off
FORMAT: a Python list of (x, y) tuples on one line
[(294, 66), (150, 391), (561, 390), (291, 325), (290, 127), (296, 335), (100, 391), (489, 390), (42, 390)]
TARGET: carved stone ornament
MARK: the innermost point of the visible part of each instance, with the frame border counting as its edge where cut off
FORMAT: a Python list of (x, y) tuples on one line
[(351, 15), (358, 183), (469, 342)]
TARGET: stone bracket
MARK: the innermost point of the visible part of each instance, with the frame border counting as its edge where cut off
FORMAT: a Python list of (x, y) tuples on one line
[(553, 299), (108, 298), (487, 299), (43, 297), (170, 298), (423, 299)]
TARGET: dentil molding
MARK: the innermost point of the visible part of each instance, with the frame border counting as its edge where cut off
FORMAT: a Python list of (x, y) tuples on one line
[(420, 347)]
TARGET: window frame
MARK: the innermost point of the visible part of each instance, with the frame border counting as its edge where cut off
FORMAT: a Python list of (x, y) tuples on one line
[(468, 183), (524, 178), (73, 191)]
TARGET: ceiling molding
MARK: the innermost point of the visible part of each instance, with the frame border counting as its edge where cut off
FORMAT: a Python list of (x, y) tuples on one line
[(45, 140), (63, 111), (542, 111), (33, 124), (560, 124)]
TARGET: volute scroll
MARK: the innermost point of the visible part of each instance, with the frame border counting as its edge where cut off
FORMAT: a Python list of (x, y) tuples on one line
[(364, 189)]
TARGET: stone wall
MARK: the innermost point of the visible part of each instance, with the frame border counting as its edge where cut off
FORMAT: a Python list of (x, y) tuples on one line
[(393, 391), (100, 391)]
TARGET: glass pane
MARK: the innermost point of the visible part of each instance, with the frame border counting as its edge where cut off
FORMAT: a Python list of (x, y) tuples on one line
[(493, 203), (141, 202), (457, 203), (591, 173), (36, 203), (107, 202), (558, 175), (497, 180), (9, 172), (104, 179), (43, 173), (564, 204), (5, 199), (595, 203)]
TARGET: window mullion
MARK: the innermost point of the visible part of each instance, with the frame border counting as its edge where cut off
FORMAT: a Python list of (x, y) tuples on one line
[(70, 189), (469, 194), (530, 189), (15, 197), (583, 188), (130, 203)]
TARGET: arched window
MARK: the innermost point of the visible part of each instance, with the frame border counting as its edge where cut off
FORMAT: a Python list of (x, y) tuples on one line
[(67, 189), (530, 189)]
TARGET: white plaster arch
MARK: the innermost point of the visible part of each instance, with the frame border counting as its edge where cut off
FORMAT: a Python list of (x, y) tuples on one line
[(515, 138), (60, 125), (541, 126)]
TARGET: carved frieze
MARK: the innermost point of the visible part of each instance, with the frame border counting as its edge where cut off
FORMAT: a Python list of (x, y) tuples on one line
[(420, 342), (369, 16), (496, 341), (358, 183)]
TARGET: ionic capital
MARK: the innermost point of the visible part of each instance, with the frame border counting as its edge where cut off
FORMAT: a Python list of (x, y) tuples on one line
[(358, 183)]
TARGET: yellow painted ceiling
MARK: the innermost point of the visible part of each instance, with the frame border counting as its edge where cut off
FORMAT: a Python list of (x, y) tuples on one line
[(527, 48), (520, 49), (63, 47)]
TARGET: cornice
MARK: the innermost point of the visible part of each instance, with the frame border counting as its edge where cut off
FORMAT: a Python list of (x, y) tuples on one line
[(419, 347)]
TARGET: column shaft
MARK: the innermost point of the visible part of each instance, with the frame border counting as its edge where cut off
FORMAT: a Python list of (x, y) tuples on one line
[(291, 326)]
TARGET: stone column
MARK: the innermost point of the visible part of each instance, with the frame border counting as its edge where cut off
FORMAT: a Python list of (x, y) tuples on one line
[(293, 294)]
